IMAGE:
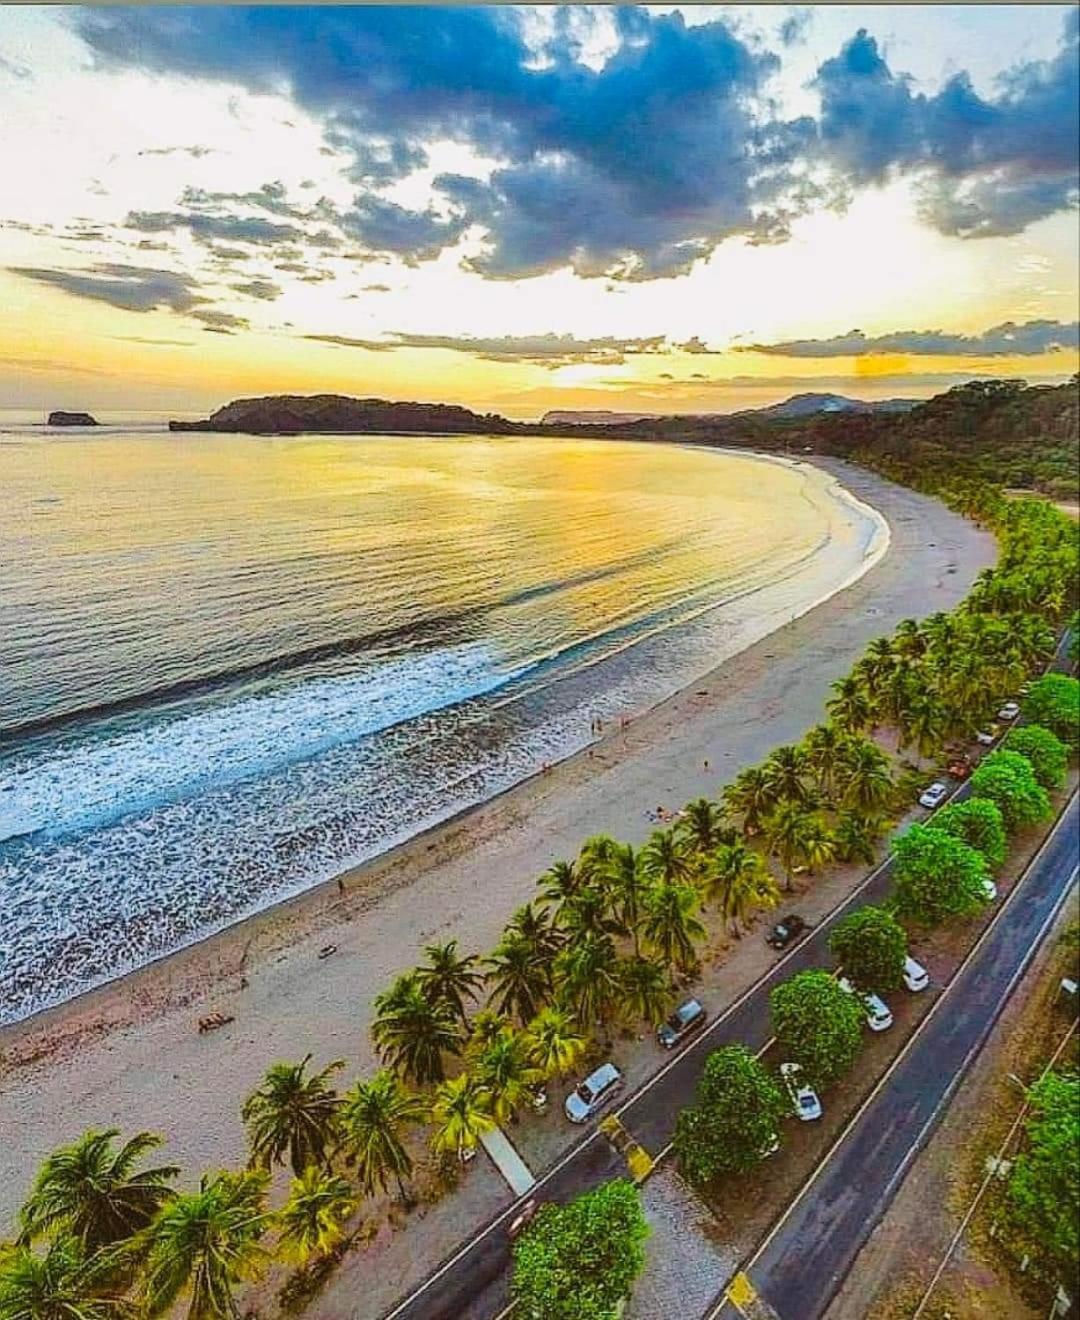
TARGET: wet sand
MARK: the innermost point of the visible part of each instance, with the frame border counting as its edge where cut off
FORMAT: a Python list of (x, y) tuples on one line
[(130, 1054)]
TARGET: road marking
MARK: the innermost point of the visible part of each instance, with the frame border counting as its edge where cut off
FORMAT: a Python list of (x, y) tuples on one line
[(647, 1085), (916, 1034)]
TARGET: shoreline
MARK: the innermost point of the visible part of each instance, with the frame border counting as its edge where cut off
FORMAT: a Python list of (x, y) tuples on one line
[(856, 536), (129, 1053)]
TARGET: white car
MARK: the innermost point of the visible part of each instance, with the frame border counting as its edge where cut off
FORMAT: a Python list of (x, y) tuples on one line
[(990, 890), (916, 977), (878, 1017), (987, 737), (804, 1099), (934, 796), (1009, 711), (591, 1095)]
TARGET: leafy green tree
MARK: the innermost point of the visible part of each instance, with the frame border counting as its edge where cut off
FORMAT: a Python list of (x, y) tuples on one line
[(669, 926), (735, 1118), (1054, 702), (937, 876), (579, 1261), (553, 1042), (292, 1114), (95, 1193), (647, 988), (449, 978), (507, 1074), (61, 1284), (461, 1114), (870, 945), (205, 1244), (411, 1033), (518, 975), (817, 1025), (312, 1221), (1007, 778), (977, 822), (1043, 1192), (1048, 755), (375, 1117)]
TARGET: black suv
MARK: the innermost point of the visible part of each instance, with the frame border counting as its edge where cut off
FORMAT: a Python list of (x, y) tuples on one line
[(785, 931), (686, 1018)]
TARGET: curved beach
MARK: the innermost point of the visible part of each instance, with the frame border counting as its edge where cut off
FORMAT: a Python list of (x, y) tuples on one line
[(129, 1054)]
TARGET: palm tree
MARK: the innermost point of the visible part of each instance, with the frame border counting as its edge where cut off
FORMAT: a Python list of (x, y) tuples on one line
[(749, 885), (519, 977), (411, 1033), (924, 723), (670, 927), (587, 913), (666, 859), (908, 641), (824, 745), (878, 663), (648, 989), (750, 798), (854, 837), (505, 1072), (852, 708), (588, 972), (63, 1284), (292, 1114), (702, 826), (206, 1243), (863, 780), (559, 882), (785, 774), (374, 1119), (312, 1221), (626, 887), (96, 1193), (785, 835), (461, 1112), (486, 1026), (538, 927), (553, 1043), (593, 859), (449, 979)]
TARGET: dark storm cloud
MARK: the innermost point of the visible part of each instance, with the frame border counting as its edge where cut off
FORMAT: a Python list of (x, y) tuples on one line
[(547, 350), (991, 166), (133, 288), (1029, 339), (383, 226)]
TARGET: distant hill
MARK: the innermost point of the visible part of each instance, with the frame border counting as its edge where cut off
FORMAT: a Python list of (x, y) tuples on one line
[(290, 414), (807, 405), (597, 417)]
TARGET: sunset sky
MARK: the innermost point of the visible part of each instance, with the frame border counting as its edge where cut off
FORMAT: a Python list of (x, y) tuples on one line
[(644, 209)]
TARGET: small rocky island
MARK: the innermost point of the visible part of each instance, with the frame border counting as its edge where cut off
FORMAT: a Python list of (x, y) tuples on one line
[(61, 418), (291, 414)]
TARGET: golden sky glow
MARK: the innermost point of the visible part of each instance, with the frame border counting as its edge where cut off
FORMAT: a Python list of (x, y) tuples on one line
[(120, 141)]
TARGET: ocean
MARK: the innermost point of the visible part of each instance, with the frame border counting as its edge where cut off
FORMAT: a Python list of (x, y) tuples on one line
[(232, 667)]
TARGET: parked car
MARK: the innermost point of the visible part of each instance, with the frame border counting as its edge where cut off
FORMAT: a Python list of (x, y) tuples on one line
[(591, 1095), (916, 977), (1009, 711), (988, 736), (934, 796), (959, 767), (878, 1017), (686, 1019), (785, 931), (523, 1219), (804, 1098), (990, 890)]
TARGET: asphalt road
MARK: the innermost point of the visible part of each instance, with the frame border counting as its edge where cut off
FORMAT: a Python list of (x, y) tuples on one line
[(473, 1283), (802, 1263)]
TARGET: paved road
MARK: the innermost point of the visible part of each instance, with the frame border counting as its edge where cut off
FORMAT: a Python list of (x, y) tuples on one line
[(472, 1284), (799, 1268)]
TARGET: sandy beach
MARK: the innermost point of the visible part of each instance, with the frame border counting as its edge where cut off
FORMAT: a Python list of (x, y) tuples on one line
[(130, 1054)]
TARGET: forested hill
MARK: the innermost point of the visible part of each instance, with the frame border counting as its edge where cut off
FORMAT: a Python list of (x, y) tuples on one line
[(1005, 432)]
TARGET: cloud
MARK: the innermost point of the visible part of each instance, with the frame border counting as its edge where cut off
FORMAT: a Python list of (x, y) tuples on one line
[(49, 364), (13, 69), (546, 350), (150, 339), (195, 152), (221, 323), (266, 290), (635, 168), (1008, 339), (985, 166), (207, 228), (133, 288), (794, 28)]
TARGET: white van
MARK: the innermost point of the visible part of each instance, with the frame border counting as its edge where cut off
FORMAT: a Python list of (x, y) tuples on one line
[(916, 977)]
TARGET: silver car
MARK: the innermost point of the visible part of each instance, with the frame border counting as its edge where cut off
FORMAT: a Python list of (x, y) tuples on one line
[(591, 1095)]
